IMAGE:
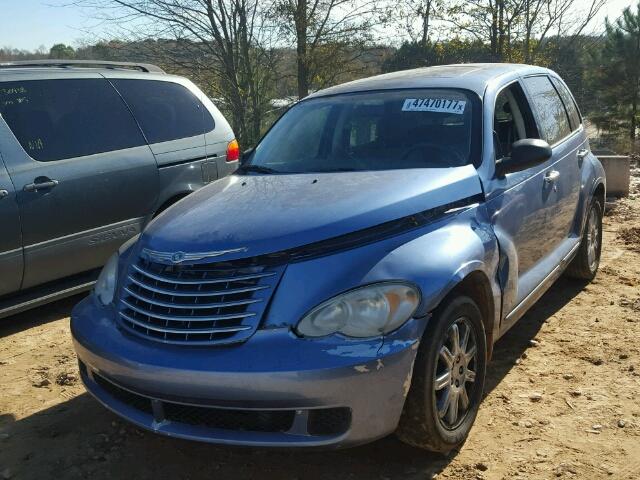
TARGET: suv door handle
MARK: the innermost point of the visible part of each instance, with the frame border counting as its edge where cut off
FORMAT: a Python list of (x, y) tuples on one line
[(3, 193), (551, 176), (40, 183), (583, 152)]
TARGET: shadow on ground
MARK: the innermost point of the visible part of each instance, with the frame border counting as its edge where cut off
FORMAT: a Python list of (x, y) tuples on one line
[(38, 316), (80, 439)]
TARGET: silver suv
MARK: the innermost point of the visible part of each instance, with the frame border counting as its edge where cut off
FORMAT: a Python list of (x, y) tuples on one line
[(89, 153)]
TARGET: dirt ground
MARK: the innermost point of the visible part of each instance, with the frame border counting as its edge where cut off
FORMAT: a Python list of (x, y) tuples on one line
[(562, 399)]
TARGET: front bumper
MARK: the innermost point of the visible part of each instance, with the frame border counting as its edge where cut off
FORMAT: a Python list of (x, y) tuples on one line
[(358, 386)]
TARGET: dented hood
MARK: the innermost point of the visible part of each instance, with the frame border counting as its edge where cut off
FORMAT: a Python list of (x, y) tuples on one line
[(262, 214)]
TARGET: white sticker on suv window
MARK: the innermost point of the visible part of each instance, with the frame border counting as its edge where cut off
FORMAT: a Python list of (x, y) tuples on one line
[(443, 105)]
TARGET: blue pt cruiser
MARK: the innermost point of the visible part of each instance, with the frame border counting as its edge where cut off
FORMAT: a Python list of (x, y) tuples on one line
[(351, 279)]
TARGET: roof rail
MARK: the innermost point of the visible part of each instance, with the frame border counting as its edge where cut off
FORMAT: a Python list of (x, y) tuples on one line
[(144, 67)]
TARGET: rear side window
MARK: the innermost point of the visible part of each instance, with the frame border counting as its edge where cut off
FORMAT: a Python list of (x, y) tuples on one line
[(569, 103), (549, 110), (59, 119), (165, 110)]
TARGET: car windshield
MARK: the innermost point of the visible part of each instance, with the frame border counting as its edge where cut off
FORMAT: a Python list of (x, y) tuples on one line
[(425, 128)]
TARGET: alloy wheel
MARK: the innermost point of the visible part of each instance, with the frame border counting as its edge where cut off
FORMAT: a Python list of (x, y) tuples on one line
[(455, 373), (593, 238)]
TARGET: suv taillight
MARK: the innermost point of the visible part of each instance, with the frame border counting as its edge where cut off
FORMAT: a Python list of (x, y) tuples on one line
[(233, 151)]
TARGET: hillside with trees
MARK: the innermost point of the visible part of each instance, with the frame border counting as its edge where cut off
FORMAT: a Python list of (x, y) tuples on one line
[(255, 57)]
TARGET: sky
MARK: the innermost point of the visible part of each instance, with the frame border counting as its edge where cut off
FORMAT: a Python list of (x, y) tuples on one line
[(30, 24)]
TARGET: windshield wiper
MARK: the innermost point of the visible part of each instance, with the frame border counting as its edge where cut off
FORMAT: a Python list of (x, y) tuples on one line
[(339, 169), (256, 169)]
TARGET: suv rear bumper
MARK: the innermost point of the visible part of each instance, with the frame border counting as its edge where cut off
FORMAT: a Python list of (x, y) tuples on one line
[(292, 385)]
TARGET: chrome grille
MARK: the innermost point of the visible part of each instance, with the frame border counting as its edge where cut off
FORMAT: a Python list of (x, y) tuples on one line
[(199, 304)]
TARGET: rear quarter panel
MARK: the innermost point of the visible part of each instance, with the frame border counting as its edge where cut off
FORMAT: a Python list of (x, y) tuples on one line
[(592, 175)]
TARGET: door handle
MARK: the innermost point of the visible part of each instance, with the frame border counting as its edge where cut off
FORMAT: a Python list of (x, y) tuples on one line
[(40, 183), (583, 152), (551, 176), (3, 193)]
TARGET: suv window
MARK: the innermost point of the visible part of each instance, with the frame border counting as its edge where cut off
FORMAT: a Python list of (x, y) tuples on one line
[(550, 112), (569, 103), (512, 120), (165, 110), (59, 119)]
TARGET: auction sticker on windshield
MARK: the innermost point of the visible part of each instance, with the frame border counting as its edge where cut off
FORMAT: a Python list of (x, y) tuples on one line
[(443, 105)]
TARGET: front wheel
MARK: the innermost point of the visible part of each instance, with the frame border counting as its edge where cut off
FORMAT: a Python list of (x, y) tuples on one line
[(585, 264), (448, 379)]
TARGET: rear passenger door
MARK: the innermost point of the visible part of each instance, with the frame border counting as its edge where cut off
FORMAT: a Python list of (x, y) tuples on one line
[(85, 178), (11, 237), (579, 149), (563, 175)]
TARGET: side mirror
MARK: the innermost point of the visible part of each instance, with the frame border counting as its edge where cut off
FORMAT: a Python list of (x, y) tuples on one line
[(246, 155), (525, 154)]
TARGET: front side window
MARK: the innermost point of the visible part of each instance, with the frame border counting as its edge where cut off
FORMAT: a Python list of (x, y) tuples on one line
[(549, 110), (60, 119), (165, 110), (425, 128), (512, 120)]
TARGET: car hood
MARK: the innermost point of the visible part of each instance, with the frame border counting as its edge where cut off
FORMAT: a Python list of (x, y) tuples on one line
[(260, 214)]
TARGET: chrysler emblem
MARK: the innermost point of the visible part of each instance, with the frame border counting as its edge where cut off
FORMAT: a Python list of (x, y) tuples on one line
[(179, 257)]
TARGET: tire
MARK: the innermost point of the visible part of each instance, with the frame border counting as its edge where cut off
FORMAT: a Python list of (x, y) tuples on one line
[(584, 265), (420, 423)]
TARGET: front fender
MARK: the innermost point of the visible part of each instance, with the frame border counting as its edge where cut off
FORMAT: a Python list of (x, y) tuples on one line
[(436, 258), (439, 260)]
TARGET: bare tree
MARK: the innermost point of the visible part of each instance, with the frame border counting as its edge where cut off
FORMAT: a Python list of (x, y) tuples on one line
[(563, 18), (224, 42), (329, 36), (417, 17), (505, 23), (491, 21)]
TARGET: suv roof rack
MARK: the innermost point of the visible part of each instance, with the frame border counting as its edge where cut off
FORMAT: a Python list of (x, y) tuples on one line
[(144, 67)]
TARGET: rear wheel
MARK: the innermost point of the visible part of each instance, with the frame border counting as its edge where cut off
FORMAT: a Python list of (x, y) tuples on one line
[(448, 379), (585, 264)]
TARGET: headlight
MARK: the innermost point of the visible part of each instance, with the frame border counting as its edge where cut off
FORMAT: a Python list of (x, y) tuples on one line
[(365, 312), (106, 284)]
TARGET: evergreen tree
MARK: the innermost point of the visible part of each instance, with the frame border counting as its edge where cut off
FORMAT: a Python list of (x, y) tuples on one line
[(618, 74)]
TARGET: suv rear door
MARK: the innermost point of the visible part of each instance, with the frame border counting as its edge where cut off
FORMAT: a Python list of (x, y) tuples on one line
[(85, 178), (10, 239), (174, 120)]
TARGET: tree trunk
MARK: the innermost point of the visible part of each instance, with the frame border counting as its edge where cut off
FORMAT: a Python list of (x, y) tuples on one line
[(301, 48), (636, 93), (501, 32), (634, 117), (425, 23), (527, 38), (494, 34)]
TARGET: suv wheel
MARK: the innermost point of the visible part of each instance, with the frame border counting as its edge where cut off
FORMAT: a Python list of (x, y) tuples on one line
[(585, 264), (448, 379)]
